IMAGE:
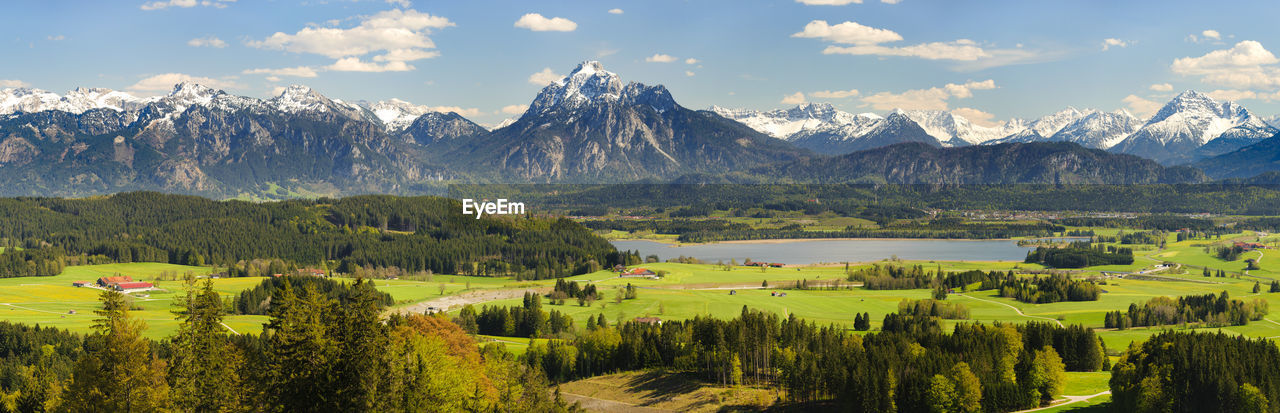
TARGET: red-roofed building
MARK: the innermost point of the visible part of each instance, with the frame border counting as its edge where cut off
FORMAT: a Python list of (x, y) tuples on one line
[(648, 320), (112, 281), (134, 286), (638, 272)]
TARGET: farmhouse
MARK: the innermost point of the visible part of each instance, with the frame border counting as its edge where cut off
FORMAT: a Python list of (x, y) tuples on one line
[(80, 283), (112, 281), (311, 272), (638, 272), (1250, 246), (133, 286), (648, 320)]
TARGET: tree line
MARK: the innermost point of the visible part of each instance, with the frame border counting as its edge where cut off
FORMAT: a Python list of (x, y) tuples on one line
[(315, 354), (1198, 372), (976, 368), (410, 233), (1080, 254), (1211, 309)]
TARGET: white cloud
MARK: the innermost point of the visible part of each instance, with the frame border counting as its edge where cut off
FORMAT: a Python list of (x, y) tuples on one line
[(660, 58), (209, 41), (934, 98), (300, 71), (160, 5), (1211, 34), (164, 82), (514, 109), (891, 1), (977, 117), (538, 23), (1141, 107), (1110, 42), (866, 40), (1247, 65), (404, 4), (12, 83), (354, 64), (394, 36), (468, 112), (847, 33), (545, 77), (56, 38), (690, 61), (689, 73), (1162, 87), (835, 94), (615, 11), (793, 99), (829, 2)]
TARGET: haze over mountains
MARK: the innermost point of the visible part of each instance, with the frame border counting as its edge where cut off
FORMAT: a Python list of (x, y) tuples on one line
[(586, 127)]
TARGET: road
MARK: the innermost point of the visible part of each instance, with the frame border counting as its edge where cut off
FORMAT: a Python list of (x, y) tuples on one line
[(1014, 309), (1070, 399)]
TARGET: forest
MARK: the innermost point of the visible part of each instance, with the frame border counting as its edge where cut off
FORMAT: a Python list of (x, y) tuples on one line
[(1197, 372), (413, 234), (316, 354), (1080, 254), (1052, 289), (1214, 310)]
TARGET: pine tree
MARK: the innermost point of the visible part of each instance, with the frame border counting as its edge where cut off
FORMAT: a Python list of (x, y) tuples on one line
[(299, 351), (205, 367), (119, 373)]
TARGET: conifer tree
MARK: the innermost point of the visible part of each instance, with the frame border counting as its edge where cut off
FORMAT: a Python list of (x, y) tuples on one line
[(119, 373), (204, 374)]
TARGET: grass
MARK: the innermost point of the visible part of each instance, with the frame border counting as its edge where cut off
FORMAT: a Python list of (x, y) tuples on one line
[(683, 392)]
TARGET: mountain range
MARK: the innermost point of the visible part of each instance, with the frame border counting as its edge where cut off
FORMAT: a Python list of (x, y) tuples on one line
[(1190, 127), (588, 126)]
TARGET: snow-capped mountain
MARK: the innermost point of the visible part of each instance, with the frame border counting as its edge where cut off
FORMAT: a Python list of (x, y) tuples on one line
[(1194, 125), (1044, 128), (76, 101), (785, 123), (395, 114), (1100, 130), (589, 127), (867, 134), (955, 130), (1274, 121)]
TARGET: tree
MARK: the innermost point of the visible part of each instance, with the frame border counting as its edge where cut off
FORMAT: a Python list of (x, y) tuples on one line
[(1257, 287), (205, 367), (941, 396), (119, 373), (1251, 399), (299, 353), (968, 389)]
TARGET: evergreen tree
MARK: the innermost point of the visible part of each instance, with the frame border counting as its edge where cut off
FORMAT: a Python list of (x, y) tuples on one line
[(119, 373), (204, 374), (300, 351)]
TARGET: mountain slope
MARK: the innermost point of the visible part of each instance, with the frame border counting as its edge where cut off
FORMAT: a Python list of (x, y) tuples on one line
[(1194, 125), (1010, 163), (955, 130), (786, 123), (588, 126), (1245, 162), (867, 134)]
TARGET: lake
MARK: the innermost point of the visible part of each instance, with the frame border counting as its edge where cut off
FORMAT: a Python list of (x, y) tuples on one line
[(835, 251)]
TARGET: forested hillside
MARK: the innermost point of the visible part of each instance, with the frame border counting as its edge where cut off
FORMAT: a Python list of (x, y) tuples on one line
[(412, 234)]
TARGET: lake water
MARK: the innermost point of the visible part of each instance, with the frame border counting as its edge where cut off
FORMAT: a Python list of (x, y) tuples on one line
[(835, 251)]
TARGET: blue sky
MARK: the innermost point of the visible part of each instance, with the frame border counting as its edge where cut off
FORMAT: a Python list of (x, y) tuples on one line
[(988, 60)]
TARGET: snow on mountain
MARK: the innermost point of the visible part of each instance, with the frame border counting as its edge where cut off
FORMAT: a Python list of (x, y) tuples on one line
[(864, 132), (396, 114), (784, 123), (1100, 130), (588, 83), (1193, 120), (1274, 121), (955, 130), (76, 101)]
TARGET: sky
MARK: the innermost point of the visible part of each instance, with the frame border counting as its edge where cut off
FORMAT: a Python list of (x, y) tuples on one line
[(487, 59)]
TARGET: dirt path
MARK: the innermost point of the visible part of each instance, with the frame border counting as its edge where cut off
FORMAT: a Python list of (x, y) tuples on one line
[(593, 404), (232, 330), (1014, 309), (1070, 399), (475, 297)]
